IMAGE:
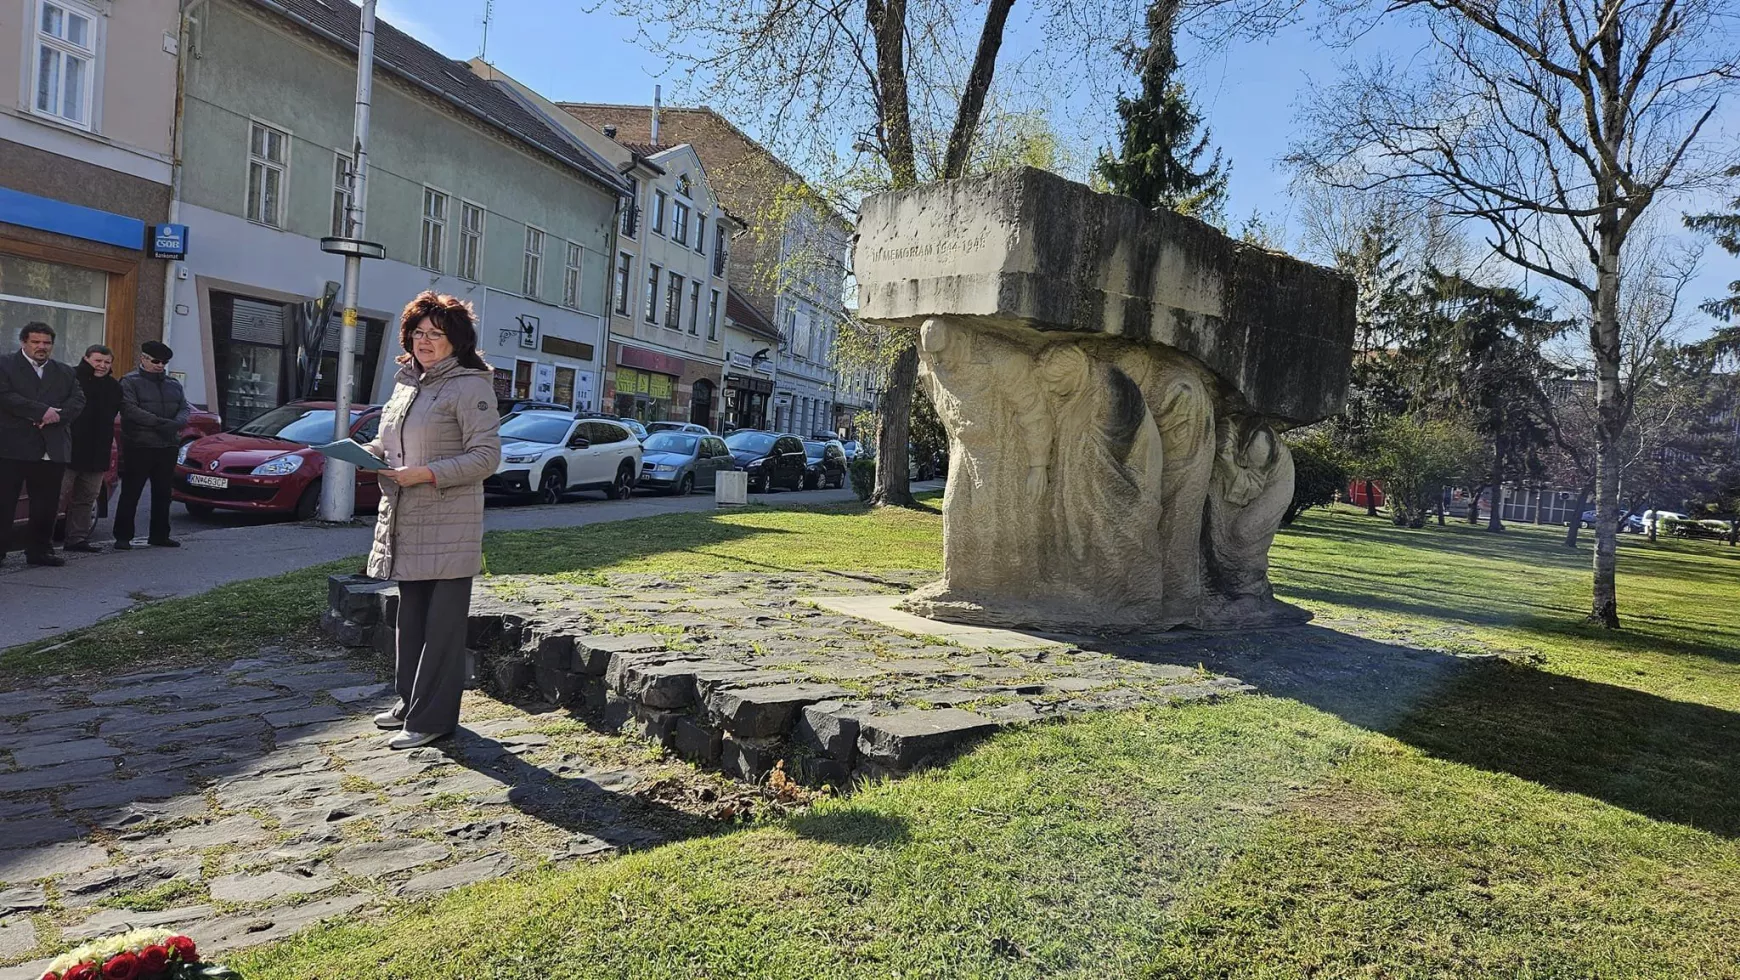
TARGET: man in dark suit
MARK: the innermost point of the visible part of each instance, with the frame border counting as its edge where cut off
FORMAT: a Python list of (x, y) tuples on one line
[(39, 398)]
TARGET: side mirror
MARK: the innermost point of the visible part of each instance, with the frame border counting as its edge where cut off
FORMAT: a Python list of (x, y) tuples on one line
[(579, 442)]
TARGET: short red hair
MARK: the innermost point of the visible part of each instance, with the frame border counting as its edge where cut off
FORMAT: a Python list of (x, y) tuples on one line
[(453, 316)]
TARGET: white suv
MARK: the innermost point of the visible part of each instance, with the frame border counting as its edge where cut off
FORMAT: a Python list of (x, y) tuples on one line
[(550, 454)]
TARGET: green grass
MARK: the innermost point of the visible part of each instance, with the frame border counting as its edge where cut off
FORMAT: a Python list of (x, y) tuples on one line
[(1569, 808)]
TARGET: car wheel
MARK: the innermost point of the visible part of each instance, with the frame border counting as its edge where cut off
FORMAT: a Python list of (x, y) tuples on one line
[(758, 484), (205, 510), (839, 481), (550, 487), (686, 486), (811, 482), (308, 505), (622, 485)]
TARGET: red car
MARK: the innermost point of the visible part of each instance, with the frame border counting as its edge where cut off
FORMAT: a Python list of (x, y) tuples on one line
[(265, 465), (199, 423)]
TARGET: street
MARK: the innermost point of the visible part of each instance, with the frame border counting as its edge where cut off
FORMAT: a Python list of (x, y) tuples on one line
[(36, 602)]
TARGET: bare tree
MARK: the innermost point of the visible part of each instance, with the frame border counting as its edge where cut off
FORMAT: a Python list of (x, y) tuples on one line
[(1558, 125)]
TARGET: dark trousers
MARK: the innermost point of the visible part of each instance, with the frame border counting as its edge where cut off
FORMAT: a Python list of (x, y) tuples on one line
[(41, 479), (139, 465), (431, 665)]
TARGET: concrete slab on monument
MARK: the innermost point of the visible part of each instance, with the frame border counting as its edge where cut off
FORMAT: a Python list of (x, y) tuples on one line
[(883, 610), (1027, 248)]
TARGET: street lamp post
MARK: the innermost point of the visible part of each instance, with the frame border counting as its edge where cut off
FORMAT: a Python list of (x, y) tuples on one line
[(338, 486)]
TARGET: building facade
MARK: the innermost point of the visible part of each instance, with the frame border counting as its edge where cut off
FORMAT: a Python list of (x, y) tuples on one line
[(86, 121), (789, 265), (751, 365), (468, 191)]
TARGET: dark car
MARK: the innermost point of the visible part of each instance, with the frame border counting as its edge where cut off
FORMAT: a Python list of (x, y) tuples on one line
[(824, 465), (694, 427), (678, 462), (772, 459), (266, 465)]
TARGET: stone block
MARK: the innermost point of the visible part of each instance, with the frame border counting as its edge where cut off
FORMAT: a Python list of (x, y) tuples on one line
[(554, 651), (906, 739), (512, 674), (594, 653), (656, 725), (389, 599), (384, 639), (344, 631), (695, 741), (817, 771), (830, 730), (356, 597), (557, 686), (659, 685), (616, 712), (749, 758), (761, 712), (482, 629)]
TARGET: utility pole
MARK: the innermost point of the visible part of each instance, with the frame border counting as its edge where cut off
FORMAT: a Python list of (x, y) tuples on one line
[(338, 484)]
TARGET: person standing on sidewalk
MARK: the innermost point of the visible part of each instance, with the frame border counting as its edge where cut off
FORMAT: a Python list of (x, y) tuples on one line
[(93, 436), (439, 434), (39, 399), (153, 410)]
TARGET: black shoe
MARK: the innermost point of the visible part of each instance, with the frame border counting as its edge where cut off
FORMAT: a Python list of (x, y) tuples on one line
[(123, 545), (51, 560), (166, 543), (84, 547)]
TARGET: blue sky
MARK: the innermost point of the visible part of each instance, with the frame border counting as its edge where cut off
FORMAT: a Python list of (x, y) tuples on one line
[(1247, 91)]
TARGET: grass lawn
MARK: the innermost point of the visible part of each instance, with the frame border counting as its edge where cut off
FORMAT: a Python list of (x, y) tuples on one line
[(1568, 809)]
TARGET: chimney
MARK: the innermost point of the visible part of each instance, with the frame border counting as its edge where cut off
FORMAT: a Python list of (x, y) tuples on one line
[(655, 116), (610, 131)]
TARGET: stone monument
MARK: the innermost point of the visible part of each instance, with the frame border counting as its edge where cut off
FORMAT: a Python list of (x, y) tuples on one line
[(1113, 381)]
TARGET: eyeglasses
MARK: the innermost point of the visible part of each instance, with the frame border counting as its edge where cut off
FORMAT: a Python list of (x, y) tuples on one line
[(148, 359), (428, 335)]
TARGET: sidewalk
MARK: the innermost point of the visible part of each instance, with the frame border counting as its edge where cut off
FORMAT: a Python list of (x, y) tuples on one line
[(37, 602)]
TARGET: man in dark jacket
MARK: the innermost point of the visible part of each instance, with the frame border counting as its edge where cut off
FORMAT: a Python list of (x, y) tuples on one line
[(153, 411), (39, 399), (93, 435)]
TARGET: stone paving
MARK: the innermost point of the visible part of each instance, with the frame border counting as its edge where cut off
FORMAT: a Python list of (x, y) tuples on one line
[(245, 801)]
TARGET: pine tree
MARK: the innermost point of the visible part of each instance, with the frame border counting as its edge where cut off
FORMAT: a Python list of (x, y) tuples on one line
[(1160, 161), (1725, 228)]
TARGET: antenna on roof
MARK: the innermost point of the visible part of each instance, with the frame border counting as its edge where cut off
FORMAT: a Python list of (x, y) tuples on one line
[(655, 117), (488, 15)]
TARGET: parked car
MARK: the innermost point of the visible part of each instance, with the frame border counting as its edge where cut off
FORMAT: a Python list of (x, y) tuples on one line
[(510, 406), (632, 425), (678, 462), (550, 454), (1627, 522), (265, 465), (692, 427), (824, 465), (919, 466), (200, 423), (772, 459), (853, 448)]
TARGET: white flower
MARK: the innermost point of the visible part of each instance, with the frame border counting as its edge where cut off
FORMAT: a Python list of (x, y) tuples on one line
[(98, 951)]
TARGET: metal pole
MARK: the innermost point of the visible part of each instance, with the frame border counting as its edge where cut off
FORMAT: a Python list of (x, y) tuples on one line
[(338, 487)]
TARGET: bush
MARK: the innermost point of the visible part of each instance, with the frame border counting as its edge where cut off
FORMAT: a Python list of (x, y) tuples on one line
[(1319, 473), (863, 477)]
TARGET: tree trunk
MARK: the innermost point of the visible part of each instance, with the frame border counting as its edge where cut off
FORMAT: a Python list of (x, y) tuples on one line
[(893, 488), (1370, 500), (1577, 518), (1441, 492), (1474, 506), (978, 85), (887, 19), (1495, 522), (1609, 422)]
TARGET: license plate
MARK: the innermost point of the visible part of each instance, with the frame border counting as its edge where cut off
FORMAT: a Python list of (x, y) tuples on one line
[(215, 482)]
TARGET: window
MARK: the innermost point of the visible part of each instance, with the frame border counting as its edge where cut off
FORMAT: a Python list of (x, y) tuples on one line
[(701, 234), (624, 280), (72, 300), (534, 270), (658, 223), (713, 316), (652, 294), (694, 308), (470, 240), (66, 50), (434, 228), (340, 193), (719, 249), (571, 278), (631, 213), (674, 303), (268, 160), (680, 223), (523, 379)]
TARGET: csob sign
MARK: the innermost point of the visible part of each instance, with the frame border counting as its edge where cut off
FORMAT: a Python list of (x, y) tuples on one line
[(168, 241)]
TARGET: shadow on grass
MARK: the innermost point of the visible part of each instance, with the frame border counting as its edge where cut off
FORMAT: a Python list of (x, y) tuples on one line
[(593, 549), (1663, 759), (851, 828)]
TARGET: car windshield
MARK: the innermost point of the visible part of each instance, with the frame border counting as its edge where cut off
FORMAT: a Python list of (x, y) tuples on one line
[(814, 448), (295, 423), (535, 427), (755, 442), (664, 426), (671, 442)]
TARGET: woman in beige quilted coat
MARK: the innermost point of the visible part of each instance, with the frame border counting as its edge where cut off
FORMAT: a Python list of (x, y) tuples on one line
[(438, 436)]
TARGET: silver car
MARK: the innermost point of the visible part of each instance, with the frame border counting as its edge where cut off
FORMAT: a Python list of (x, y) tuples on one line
[(679, 462)]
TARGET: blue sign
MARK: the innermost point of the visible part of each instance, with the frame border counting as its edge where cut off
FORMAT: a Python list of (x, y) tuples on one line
[(168, 241), (73, 220)]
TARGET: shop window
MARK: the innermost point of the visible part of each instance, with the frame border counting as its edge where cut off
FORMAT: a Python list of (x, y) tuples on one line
[(71, 300), (523, 379), (565, 385)]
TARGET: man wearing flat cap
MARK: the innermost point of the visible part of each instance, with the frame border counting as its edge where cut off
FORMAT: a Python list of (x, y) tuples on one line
[(153, 411)]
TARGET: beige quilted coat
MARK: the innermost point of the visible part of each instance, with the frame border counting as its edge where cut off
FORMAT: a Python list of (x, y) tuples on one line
[(444, 419)]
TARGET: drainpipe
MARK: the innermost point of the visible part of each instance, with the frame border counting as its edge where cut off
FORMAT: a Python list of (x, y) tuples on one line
[(175, 141), (655, 117)]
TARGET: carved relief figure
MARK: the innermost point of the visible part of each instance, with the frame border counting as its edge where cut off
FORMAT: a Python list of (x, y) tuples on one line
[(1252, 485), (999, 441), (1107, 465)]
